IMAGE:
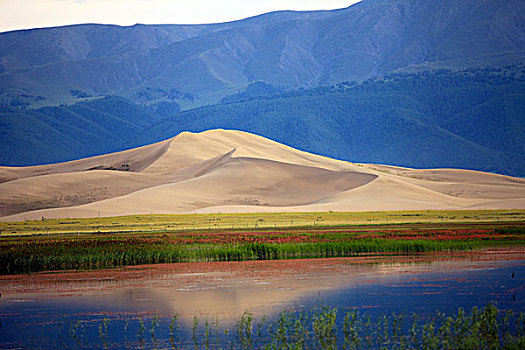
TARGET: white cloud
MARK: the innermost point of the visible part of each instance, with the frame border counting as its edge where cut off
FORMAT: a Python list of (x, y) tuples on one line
[(21, 14)]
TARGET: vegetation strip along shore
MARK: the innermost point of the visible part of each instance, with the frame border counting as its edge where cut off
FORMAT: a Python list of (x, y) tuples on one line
[(33, 254)]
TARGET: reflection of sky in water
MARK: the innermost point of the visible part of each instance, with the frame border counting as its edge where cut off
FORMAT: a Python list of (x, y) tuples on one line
[(374, 289), (443, 291)]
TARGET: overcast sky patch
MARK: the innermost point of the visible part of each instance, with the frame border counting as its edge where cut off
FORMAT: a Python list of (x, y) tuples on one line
[(25, 14)]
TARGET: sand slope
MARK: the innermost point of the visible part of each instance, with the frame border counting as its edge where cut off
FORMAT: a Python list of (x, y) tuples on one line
[(234, 171), (134, 160)]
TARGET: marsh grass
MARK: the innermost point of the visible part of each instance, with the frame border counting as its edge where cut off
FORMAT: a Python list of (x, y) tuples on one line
[(112, 251), (324, 327)]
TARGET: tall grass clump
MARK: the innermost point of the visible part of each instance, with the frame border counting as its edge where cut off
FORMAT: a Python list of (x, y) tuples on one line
[(33, 255), (326, 327), (319, 327)]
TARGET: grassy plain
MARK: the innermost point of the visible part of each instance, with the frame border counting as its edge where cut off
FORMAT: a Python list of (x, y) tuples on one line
[(191, 222), (124, 241)]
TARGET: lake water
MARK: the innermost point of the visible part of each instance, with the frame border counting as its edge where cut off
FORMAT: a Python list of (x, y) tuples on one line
[(133, 307)]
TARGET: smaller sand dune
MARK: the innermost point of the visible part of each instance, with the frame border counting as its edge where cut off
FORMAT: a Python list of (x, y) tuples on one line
[(448, 175), (71, 189), (457, 182), (134, 160)]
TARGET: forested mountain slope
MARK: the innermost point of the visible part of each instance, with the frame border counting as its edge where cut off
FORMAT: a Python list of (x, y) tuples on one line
[(57, 134), (472, 119)]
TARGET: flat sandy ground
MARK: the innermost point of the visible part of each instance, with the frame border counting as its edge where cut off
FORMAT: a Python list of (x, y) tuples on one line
[(232, 171)]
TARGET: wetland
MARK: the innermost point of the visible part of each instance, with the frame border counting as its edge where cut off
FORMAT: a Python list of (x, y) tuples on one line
[(430, 283)]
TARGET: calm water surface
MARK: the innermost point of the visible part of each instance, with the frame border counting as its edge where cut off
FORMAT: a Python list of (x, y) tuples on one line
[(131, 307)]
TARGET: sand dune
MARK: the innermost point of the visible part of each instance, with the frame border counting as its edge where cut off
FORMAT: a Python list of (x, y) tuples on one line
[(459, 183), (233, 171), (81, 187), (134, 160), (449, 175), (188, 148)]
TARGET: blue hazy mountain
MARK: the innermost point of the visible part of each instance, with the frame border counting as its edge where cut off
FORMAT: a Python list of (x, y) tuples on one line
[(195, 65)]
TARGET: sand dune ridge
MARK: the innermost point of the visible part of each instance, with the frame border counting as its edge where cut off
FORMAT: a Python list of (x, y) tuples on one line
[(234, 171)]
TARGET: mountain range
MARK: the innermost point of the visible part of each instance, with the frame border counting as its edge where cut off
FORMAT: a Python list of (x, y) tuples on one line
[(412, 83), (196, 65)]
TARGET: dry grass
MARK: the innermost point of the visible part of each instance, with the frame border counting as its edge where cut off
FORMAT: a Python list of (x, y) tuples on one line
[(191, 222)]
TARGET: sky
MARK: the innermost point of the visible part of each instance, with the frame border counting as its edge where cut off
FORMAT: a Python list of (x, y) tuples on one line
[(25, 14)]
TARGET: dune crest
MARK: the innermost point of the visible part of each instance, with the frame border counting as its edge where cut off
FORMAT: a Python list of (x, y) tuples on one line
[(234, 171)]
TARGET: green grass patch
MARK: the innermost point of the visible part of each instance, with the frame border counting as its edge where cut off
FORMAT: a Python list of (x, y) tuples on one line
[(24, 255)]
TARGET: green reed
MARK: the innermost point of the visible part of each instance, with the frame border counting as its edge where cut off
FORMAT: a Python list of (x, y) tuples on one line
[(92, 253), (325, 327)]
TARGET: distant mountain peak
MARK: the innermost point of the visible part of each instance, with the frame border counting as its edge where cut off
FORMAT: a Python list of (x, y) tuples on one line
[(210, 61)]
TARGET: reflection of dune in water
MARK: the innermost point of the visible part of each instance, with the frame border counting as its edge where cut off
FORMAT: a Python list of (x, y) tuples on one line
[(226, 290)]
